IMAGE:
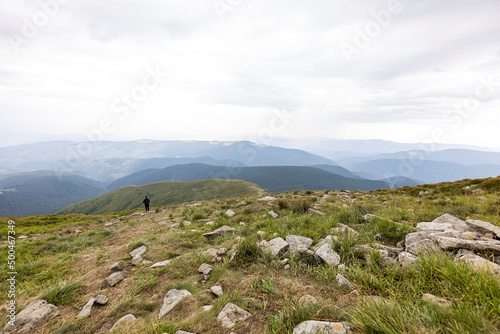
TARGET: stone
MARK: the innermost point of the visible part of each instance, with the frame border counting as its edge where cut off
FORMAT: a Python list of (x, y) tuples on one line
[(124, 319), (160, 264), (273, 214), (457, 223), (378, 237), (205, 269), (478, 262), (231, 315), (419, 242), (344, 282), (405, 259), (230, 213), (85, 312), (316, 212), (342, 267), (483, 227), (275, 247), (433, 227), (388, 262), (217, 291), (187, 223), (112, 280), (219, 232), (368, 217), (307, 299), (183, 332), (101, 300), (171, 299), (215, 254), (328, 255), (140, 251), (295, 241), (308, 255), (146, 262), (31, 316), (329, 239), (447, 243), (117, 266), (441, 302), (321, 327), (267, 198), (176, 225), (344, 228), (207, 308)]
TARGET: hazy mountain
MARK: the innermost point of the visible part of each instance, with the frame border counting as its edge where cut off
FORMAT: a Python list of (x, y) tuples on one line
[(402, 181), (338, 170), (163, 193), (274, 178), (27, 195)]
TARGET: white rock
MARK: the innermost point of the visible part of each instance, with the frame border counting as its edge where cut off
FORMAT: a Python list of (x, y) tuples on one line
[(321, 327), (328, 255), (160, 264), (85, 312), (230, 213), (316, 212), (183, 332), (478, 262), (483, 227), (267, 198), (296, 241), (273, 214), (112, 280), (344, 282), (345, 229), (429, 298), (433, 227), (217, 290), (307, 299), (405, 259), (232, 314), (275, 247), (31, 316), (140, 251), (127, 318), (171, 299), (205, 269), (118, 266), (101, 300), (219, 232), (207, 308)]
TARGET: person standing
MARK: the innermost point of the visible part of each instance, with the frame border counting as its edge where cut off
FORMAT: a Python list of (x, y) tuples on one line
[(146, 203)]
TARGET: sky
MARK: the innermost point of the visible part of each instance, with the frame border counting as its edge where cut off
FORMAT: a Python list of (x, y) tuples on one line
[(399, 70)]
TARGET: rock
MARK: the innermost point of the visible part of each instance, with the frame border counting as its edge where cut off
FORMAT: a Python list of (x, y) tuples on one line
[(171, 299), (328, 255), (308, 255), (434, 227), (160, 264), (210, 223), (457, 224), (307, 299), (483, 227), (295, 241), (368, 217), (405, 259), (316, 212), (217, 291), (273, 214), (447, 243), (275, 247), (342, 267), (478, 262), (344, 228), (321, 327), (388, 262), (419, 242), (267, 198), (378, 237), (241, 223), (215, 254), (205, 269), (22, 237), (176, 225), (391, 251), (127, 318), (101, 300), (441, 302), (117, 266), (232, 314), (329, 239), (344, 282), (207, 308), (85, 312), (230, 213), (183, 332), (187, 223), (112, 280), (219, 232), (31, 316), (138, 251), (146, 262)]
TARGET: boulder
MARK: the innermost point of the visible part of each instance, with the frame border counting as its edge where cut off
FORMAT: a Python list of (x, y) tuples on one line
[(275, 247), (295, 241), (368, 217), (488, 245), (273, 214), (433, 227), (160, 264), (205, 269), (441, 302), (101, 300), (405, 259), (483, 227), (85, 312), (344, 282), (31, 316), (117, 266), (112, 280), (232, 314), (230, 213), (329, 239), (137, 254), (171, 299), (316, 212), (321, 327), (307, 299), (217, 291), (328, 255), (344, 228), (308, 255), (127, 318), (419, 242), (219, 232), (478, 262), (457, 224)]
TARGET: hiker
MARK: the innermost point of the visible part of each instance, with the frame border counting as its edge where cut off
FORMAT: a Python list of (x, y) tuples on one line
[(146, 203)]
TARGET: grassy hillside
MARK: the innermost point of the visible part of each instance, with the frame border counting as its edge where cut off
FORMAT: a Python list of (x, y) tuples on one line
[(163, 193), (67, 268), (275, 178)]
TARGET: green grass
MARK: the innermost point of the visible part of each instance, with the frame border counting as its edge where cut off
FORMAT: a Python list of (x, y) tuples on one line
[(64, 293)]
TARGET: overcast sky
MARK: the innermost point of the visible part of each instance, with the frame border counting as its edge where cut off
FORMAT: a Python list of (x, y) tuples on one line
[(407, 71)]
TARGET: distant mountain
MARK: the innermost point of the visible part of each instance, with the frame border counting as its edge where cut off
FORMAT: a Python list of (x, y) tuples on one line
[(26, 195), (106, 160), (338, 170), (274, 178), (401, 181), (163, 193)]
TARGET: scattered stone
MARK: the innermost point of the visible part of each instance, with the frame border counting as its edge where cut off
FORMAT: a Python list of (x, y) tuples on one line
[(483, 227), (127, 318), (388, 262), (307, 299), (344, 282), (171, 299), (117, 266), (241, 224), (423, 193), (230, 213), (267, 198), (309, 255), (187, 223), (22, 237), (207, 308), (85, 312), (77, 231), (405, 259), (419, 242), (217, 291), (160, 264), (137, 254), (232, 314), (296, 241), (193, 204), (457, 224), (368, 217), (273, 214), (328, 255), (344, 228), (205, 269), (219, 232), (321, 327), (329, 239), (31, 316), (275, 247), (210, 223), (183, 332), (433, 227), (101, 300), (215, 254), (378, 237), (342, 267), (447, 243), (441, 302), (112, 280), (176, 225), (316, 212), (478, 262)]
